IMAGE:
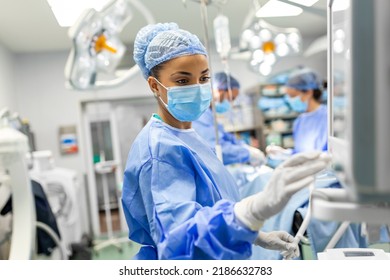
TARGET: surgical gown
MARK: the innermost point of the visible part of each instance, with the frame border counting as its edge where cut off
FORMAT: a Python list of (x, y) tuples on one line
[(178, 198), (233, 150), (310, 131)]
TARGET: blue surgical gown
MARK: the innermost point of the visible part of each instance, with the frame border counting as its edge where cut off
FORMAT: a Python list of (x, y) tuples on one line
[(310, 131), (233, 150), (178, 198)]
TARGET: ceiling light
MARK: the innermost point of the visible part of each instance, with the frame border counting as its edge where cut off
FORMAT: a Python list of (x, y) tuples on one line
[(340, 5), (306, 3), (275, 8), (67, 12)]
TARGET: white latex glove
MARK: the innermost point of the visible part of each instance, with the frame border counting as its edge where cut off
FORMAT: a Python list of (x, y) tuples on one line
[(256, 157), (277, 152), (291, 176), (274, 149), (280, 241)]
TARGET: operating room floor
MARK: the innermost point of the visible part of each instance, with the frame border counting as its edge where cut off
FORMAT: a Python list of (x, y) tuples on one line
[(122, 251)]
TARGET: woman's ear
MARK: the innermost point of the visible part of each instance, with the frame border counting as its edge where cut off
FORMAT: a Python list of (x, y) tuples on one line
[(310, 93), (153, 85)]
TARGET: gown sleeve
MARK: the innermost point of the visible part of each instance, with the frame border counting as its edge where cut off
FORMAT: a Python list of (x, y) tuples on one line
[(233, 150)]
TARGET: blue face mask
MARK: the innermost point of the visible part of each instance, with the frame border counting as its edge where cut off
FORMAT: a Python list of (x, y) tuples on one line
[(222, 107), (324, 96), (187, 103), (297, 104)]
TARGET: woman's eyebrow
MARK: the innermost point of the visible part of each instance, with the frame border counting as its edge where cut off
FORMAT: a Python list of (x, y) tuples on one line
[(188, 73), (182, 73)]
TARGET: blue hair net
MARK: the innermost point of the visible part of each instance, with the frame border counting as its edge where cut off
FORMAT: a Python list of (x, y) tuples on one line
[(303, 79), (220, 81), (157, 43)]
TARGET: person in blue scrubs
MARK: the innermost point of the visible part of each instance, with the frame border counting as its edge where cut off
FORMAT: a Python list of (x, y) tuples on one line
[(310, 130), (179, 200), (226, 89)]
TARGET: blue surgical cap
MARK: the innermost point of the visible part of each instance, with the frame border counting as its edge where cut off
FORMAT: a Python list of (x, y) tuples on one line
[(157, 43), (220, 81), (303, 79)]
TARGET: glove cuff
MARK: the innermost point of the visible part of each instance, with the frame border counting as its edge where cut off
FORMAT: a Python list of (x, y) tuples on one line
[(243, 214)]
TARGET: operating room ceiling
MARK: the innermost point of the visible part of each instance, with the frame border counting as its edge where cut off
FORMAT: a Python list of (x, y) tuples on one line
[(29, 25)]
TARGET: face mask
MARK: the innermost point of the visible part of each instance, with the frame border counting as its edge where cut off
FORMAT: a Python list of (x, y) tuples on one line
[(324, 96), (222, 107), (187, 103), (297, 104)]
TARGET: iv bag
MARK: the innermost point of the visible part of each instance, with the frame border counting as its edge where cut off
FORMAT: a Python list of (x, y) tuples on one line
[(222, 35)]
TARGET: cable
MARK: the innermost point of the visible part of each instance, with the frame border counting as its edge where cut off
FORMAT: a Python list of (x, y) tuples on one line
[(54, 236)]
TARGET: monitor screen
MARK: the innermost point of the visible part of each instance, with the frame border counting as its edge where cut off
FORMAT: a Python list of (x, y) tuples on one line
[(358, 86)]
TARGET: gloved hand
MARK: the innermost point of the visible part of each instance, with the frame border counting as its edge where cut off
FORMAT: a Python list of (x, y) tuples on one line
[(291, 176), (276, 151), (278, 240), (256, 157)]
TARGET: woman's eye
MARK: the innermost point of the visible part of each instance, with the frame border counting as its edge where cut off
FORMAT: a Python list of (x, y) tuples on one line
[(182, 81), (205, 79)]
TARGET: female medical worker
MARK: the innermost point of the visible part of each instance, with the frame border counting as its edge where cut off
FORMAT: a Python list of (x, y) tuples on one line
[(304, 96), (233, 149), (310, 128), (178, 198)]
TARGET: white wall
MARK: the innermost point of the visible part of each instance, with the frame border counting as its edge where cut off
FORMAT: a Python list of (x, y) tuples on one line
[(7, 88)]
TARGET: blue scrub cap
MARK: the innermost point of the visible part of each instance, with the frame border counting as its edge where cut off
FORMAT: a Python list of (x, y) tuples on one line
[(303, 79), (220, 81), (157, 43)]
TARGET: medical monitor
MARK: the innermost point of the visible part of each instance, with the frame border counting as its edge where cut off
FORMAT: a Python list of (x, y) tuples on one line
[(359, 96)]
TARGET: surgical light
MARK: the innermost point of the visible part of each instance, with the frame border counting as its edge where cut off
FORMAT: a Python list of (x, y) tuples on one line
[(247, 34), (282, 50), (265, 69), (270, 59), (267, 43), (96, 45), (280, 38), (255, 42), (265, 35), (293, 38), (258, 55)]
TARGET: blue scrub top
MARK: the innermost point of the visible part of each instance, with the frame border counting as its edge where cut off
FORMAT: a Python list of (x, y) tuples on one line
[(233, 150), (310, 131), (178, 198)]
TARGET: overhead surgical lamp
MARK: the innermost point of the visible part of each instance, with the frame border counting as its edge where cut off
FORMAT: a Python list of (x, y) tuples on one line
[(267, 43), (97, 47)]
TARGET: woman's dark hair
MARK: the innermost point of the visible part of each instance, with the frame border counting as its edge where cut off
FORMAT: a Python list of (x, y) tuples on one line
[(155, 71), (317, 93)]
